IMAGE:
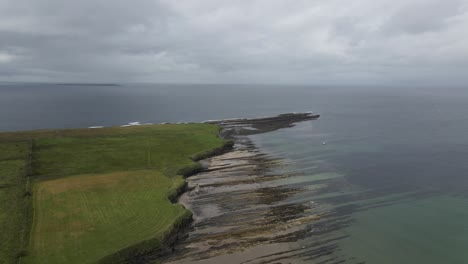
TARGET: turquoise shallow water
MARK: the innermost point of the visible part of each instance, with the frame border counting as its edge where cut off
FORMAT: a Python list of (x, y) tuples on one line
[(430, 230), (392, 174), (396, 188)]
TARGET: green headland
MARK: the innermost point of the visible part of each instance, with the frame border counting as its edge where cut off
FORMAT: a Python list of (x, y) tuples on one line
[(96, 195)]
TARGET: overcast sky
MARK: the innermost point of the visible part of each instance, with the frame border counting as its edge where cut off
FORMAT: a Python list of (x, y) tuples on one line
[(241, 41)]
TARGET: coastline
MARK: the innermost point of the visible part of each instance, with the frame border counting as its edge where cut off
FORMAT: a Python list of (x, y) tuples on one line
[(181, 226), (230, 134), (241, 157), (234, 132)]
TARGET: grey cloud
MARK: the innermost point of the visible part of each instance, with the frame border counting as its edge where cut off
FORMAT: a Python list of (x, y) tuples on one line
[(302, 41), (424, 16)]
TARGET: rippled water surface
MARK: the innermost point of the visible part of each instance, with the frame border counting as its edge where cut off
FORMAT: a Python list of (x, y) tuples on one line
[(389, 185)]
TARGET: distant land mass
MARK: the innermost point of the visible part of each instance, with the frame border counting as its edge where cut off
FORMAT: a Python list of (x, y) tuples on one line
[(89, 84)]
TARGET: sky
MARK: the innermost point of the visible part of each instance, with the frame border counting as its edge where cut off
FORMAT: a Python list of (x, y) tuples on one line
[(242, 41)]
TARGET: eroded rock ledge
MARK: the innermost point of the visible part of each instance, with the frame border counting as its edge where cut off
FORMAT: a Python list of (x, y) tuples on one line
[(241, 211), (250, 126)]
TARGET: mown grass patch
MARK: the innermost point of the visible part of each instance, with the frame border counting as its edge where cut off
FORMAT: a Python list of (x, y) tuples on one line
[(83, 218)]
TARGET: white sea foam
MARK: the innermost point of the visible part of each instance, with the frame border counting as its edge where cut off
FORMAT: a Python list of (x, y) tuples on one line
[(132, 124), (249, 128)]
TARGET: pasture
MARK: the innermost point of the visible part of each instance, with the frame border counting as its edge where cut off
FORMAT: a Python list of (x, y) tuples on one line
[(83, 218), (96, 194), (13, 202)]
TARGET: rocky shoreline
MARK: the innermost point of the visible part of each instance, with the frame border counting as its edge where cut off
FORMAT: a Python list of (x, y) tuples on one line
[(233, 128), (239, 214)]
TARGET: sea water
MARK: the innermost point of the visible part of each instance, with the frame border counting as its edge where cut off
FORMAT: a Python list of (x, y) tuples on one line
[(392, 174)]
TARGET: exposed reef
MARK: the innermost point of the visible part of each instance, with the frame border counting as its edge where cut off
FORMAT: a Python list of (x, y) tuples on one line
[(241, 212), (250, 126)]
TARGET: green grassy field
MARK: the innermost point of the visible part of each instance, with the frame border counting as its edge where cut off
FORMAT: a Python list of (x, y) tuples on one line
[(13, 169), (96, 192), (81, 219), (164, 147)]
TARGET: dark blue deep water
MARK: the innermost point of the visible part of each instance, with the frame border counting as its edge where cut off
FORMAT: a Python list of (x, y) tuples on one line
[(394, 169)]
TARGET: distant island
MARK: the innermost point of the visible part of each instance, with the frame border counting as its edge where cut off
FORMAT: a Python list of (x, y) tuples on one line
[(89, 84)]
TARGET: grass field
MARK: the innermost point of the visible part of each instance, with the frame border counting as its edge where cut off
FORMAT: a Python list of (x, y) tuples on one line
[(95, 191), (163, 147), (13, 168), (81, 219)]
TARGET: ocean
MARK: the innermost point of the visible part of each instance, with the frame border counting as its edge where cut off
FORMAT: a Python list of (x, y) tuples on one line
[(388, 165)]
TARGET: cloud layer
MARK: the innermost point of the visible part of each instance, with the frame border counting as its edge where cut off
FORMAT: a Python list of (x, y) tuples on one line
[(259, 41)]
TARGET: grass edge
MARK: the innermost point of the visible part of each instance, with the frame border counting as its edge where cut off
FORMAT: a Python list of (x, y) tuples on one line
[(157, 247)]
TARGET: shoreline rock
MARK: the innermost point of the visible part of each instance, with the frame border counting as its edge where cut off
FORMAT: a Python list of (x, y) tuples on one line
[(241, 167), (244, 153)]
